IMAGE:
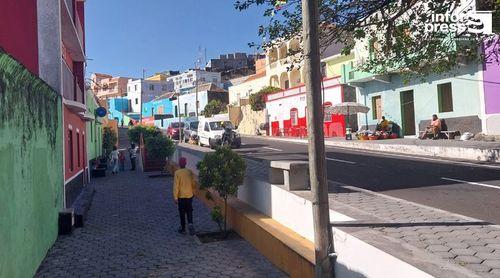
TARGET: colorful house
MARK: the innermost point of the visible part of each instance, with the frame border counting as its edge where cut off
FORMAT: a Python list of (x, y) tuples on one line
[(454, 96)]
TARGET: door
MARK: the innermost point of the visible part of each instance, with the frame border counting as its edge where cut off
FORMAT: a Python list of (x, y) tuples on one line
[(408, 113)]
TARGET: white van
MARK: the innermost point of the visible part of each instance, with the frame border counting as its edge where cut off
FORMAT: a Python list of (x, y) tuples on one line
[(210, 130)]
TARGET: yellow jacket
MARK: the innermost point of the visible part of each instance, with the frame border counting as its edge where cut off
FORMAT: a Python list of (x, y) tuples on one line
[(184, 184)]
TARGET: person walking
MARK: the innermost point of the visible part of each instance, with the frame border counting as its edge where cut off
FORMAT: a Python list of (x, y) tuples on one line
[(184, 190), (121, 161), (114, 160), (133, 155)]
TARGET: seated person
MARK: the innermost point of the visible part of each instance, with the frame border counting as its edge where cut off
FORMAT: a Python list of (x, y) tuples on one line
[(384, 125), (433, 130)]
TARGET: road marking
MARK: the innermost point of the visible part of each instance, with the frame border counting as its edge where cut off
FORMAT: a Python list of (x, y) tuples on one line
[(272, 149), (340, 160), (471, 182)]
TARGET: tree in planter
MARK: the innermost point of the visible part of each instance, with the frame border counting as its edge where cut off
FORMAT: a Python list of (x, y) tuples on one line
[(214, 107), (109, 140), (134, 133), (222, 171), (159, 147), (258, 100)]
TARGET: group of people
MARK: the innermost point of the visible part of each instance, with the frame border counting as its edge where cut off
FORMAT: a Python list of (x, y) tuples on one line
[(117, 159)]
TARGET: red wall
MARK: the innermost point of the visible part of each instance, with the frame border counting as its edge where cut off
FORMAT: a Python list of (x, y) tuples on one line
[(76, 123), (18, 31)]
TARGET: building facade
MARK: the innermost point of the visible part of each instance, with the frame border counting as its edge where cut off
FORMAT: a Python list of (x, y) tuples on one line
[(454, 96), (194, 77), (233, 61), (142, 91), (491, 87), (48, 40), (106, 86)]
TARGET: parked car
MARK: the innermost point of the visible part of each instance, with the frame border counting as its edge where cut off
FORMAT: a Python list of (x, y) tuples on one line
[(211, 130), (173, 130), (191, 131)]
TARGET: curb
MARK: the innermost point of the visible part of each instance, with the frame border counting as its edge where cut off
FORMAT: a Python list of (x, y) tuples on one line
[(491, 155)]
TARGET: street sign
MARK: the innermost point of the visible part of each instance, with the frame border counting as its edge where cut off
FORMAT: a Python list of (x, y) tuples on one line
[(101, 112)]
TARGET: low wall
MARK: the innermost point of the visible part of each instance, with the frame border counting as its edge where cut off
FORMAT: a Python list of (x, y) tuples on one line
[(266, 215)]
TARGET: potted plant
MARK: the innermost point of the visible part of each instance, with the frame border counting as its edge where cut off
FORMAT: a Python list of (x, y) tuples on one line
[(221, 171)]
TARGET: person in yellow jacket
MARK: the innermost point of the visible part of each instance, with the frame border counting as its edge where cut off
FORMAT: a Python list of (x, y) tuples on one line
[(184, 190)]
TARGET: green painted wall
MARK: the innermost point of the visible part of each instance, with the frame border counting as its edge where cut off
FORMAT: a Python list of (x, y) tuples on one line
[(94, 130), (31, 168)]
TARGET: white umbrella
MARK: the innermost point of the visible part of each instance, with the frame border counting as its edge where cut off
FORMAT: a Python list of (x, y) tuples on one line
[(347, 108)]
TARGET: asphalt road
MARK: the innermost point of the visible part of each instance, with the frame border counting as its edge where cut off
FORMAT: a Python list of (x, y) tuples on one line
[(465, 188)]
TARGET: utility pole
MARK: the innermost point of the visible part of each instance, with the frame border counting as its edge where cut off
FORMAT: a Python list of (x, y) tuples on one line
[(323, 243), (142, 91)]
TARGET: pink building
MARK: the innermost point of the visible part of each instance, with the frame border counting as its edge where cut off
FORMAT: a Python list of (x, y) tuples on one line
[(106, 86)]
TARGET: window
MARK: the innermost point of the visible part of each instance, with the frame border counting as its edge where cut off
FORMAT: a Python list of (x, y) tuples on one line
[(70, 149), (151, 87), (294, 116), (185, 109), (215, 80), (135, 87), (136, 101), (377, 107), (128, 88), (445, 97), (164, 87), (78, 150), (206, 127)]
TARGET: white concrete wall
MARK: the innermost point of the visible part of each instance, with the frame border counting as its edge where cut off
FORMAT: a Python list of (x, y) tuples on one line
[(356, 258)]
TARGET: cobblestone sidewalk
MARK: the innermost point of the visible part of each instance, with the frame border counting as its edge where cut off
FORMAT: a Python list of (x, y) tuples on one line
[(131, 232)]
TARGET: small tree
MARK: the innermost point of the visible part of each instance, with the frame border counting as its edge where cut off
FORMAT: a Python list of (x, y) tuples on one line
[(214, 107), (109, 139), (159, 147), (258, 100), (134, 133), (223, 171)]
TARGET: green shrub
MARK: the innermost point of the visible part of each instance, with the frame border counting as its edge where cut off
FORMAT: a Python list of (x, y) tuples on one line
[(258, 100), (159, 147), (222, 171), (109, 139), (214, 107), (135, 132)]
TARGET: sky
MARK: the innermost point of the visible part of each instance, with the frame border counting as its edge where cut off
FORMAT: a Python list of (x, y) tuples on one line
[(125, 36)]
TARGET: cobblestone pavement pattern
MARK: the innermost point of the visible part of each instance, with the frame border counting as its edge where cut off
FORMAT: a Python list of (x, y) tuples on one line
[(131, 232)]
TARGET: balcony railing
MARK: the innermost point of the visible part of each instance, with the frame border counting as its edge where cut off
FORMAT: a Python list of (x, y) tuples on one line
[(68, 80), (71, 89)]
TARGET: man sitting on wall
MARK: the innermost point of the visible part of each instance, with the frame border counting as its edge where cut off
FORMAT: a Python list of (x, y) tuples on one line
[(433, 130)]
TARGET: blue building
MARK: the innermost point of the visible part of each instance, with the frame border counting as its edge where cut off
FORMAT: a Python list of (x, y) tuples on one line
[(117, 108), (160, 108)]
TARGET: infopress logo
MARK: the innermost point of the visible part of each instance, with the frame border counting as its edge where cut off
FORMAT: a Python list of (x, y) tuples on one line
[(472, 17)]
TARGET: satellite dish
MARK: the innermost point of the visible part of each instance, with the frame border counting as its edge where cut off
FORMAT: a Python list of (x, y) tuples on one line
[(101, 112)]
